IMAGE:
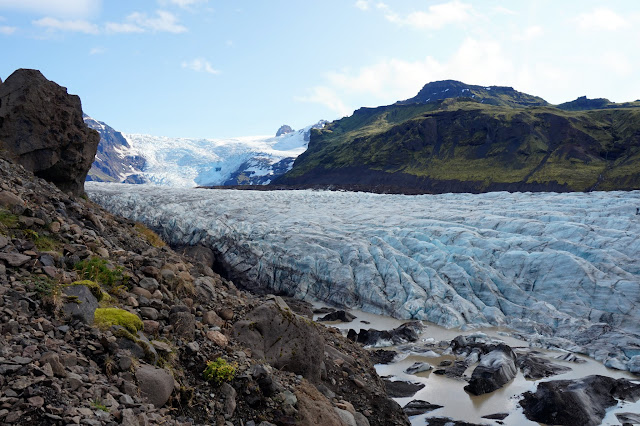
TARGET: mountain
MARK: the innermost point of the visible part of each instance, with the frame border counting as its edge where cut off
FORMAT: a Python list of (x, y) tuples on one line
[(500, 139), (135, 158), (583, 103), (492, 95), (112, 163)]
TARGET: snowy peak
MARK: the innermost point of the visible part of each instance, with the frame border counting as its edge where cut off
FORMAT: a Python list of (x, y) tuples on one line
[(188, 162)]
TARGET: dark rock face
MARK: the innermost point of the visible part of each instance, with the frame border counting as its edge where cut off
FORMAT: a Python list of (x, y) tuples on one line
[(41, 128), (577, 402), (495, 369), (284, 129)]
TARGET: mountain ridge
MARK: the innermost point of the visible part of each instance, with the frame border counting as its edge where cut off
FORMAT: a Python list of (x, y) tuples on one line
[(465, 144)]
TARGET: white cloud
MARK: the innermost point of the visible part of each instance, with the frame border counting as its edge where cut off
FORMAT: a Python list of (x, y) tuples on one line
[(200, 65), (601, 18), (58, 8), (529, 33), (618, 63), (504, 11), (327, 97), (139, 22), (79, 26), (362, 4), (96, 51), (115, 27), (436, 17), (185, 4), (475, 62), (6, 30)]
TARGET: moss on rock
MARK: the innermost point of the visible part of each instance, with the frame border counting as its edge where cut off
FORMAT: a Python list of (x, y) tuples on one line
[(107, 317)]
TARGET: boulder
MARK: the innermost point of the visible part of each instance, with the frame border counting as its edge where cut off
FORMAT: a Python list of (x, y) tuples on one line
[(80, 303), (577, 402), (285, 340), (42, 129), (496, 368), (156, 384)]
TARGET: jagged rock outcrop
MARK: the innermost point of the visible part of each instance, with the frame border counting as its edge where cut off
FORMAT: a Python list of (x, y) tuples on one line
[(284, 129), (41, 128)]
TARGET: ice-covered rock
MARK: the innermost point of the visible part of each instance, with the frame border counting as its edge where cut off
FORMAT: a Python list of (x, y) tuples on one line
[(496, 368), (561, 265)]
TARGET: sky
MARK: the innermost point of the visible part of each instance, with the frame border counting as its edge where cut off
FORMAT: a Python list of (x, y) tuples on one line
[(215, 69)]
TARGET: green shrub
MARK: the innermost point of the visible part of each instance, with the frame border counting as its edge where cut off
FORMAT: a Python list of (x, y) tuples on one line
[(106, 317), (97, 269), (219, 371)]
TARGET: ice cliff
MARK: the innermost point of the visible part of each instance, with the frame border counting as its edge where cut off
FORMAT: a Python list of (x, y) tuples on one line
[(561, 267)]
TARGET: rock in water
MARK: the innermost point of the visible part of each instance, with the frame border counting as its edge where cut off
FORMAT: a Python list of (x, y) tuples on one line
[(340, 315), (495, 369), (580, 402), (41, 128), (535, 367)]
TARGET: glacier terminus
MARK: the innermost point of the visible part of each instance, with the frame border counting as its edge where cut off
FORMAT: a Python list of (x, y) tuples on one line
[(560, 269)]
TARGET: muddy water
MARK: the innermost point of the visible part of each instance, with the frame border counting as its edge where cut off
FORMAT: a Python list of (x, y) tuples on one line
[(457, 403)]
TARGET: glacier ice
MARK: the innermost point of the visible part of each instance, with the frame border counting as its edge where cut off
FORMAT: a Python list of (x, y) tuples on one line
[(562, 267), (188, 162)]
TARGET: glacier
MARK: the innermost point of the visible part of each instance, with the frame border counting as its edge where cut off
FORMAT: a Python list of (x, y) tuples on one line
[(562, 269), (189, 162)]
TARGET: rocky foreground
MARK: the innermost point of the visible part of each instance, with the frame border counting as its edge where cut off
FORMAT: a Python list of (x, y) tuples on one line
[(61, 365)]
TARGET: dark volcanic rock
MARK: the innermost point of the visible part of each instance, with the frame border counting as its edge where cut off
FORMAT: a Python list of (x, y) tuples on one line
[(80, 303), (454, 370), (41, 128), (408, 332), (338, 316), (417, 407), (535, 367), (399, 389), (495, 369), (580, 402), (284, 339)]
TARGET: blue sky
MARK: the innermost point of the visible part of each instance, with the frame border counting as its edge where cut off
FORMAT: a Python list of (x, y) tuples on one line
[(211, 68)]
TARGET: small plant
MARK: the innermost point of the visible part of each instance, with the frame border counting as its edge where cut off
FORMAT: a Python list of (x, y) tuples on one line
[(99, 270), (8, 219), (153, 238), (99, 405), (106, 317), (219, 371), (45, 287)]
